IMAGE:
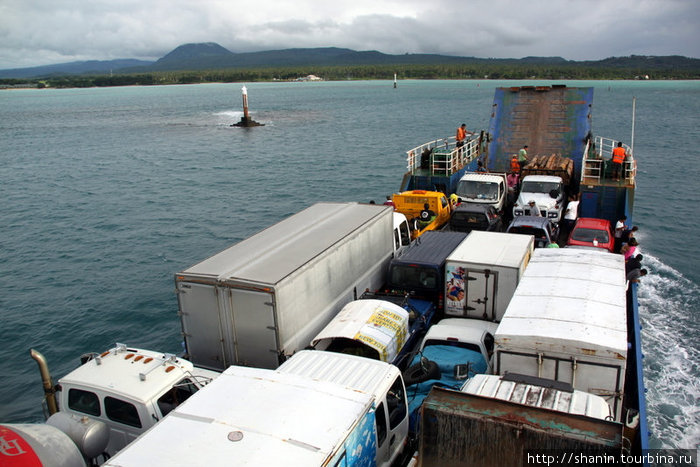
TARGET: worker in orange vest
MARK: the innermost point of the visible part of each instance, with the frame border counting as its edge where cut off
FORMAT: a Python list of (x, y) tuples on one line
[(514, 164), (461, 135), (618, 157)]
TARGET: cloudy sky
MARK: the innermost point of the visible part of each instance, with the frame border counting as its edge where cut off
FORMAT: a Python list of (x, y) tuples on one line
[(42, 32)]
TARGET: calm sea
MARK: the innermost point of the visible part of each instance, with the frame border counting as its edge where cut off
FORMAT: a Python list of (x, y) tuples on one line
[(106, 193)]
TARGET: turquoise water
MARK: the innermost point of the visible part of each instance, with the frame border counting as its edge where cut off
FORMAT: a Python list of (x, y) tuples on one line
[(106, 193)]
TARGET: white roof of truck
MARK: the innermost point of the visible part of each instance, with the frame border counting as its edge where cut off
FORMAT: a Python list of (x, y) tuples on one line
[(573, 402), (137, 374), (494, 249), (352, 372), (378, 324), (274, 253), (253, 417), (569, 299)]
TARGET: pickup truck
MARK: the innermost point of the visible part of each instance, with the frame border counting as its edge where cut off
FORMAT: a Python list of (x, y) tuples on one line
[(451, 351), (411, 203), (489, 189), (128, 389), (547, 191)]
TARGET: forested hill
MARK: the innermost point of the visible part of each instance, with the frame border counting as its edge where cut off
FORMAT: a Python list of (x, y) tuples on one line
[(211, 56)]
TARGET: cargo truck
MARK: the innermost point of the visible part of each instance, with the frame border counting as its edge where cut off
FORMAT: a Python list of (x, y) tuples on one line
[(490, 189), (317, 409), (482, 273), (567, 321), (259, 301)]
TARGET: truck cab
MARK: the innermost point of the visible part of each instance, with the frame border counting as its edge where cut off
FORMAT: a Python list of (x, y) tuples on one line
[(130, 390), (420, 270), (483, 188), (377, 329), (547, 191), (411, 203), (452, 351)]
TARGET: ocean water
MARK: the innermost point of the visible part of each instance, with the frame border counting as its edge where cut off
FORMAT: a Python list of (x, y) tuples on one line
[(106, 193)]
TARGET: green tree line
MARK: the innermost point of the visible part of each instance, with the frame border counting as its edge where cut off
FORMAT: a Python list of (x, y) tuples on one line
[(361, 72)]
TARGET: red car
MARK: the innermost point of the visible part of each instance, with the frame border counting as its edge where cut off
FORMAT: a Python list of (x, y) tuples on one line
[(589, 232)]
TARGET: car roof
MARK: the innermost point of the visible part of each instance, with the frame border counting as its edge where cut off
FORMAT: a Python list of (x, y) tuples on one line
[(536, 221), (592, 223)]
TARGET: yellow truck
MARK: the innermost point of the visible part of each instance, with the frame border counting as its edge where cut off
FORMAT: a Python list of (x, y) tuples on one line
[(412, 203)]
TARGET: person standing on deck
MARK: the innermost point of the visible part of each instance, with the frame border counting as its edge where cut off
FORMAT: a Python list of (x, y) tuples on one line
[(570, 216), (461, 136), (618, 158), (620, 228), (522, 157)]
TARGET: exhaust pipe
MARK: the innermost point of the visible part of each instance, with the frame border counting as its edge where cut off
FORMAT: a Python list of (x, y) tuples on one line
[(49, 390)]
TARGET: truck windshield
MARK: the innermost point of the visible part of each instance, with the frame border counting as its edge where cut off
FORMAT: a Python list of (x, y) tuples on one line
[(539, 187), (413, 277), (474, 189)]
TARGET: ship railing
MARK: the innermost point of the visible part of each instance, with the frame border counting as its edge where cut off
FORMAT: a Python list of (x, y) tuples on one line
[(597, 158), (442, 156)]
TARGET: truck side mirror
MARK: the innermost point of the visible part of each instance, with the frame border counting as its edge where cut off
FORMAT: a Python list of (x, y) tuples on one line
[(554, 193)]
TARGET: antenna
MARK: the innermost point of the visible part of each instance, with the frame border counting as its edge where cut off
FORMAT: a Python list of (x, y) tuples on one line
[(634, 107)]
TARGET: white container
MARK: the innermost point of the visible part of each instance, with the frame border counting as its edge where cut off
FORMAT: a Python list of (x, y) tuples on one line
[(482, 273), (567, 322), (317, 409), (264, 298)]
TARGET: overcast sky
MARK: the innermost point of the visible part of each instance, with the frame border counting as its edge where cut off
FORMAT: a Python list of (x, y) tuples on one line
[(42, 32)]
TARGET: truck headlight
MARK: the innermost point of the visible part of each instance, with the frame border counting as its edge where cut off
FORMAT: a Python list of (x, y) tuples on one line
[(552, 215), (518, 212)]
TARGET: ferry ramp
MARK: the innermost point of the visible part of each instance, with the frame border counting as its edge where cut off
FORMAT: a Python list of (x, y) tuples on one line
[(549, 119)]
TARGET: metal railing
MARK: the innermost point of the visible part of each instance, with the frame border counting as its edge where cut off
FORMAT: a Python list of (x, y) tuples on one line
[(596, 156), (442, 156)]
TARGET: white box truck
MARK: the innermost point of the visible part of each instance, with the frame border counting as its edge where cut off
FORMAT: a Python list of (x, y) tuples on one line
[(317, 409), (568, 322), (259, 301), (482, 273)]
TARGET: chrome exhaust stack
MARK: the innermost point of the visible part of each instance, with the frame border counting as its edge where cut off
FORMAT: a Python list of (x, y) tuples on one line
[(49, 390)]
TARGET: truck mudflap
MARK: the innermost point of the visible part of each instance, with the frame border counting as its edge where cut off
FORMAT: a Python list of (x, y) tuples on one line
[(460, 429)]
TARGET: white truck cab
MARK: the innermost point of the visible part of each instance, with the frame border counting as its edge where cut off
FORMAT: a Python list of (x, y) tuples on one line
[(547, 191), (129, 390), (483, 188)]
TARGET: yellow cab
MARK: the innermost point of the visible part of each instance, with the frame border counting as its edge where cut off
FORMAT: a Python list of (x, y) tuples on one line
[(411, 203)]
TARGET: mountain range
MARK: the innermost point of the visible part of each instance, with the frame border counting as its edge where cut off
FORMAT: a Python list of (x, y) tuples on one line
[(211, 56)]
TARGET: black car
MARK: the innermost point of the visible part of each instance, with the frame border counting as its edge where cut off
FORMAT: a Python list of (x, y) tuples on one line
[(467, 217)]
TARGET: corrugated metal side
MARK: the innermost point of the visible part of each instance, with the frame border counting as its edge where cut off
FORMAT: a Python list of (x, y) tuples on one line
[(361, 374), (461, 429)]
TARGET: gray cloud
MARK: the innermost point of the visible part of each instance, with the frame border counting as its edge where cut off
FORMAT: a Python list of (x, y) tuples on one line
[(44, 32)]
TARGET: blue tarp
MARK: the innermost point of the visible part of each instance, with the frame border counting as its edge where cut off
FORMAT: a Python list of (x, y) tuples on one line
[(446, 356)]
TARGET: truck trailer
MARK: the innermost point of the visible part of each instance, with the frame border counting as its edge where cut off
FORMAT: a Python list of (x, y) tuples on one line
[(262, 299), (482, 273)]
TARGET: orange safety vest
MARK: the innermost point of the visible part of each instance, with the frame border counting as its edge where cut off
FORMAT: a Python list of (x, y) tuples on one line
[(461, 134), (514, 164), (618, 155)]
